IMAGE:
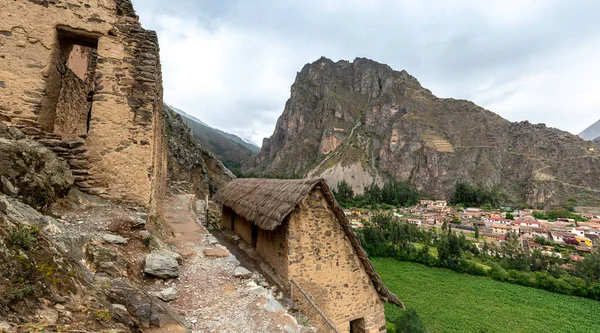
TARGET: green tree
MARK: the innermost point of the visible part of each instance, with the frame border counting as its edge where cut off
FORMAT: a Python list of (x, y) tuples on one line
[(476, 227), (510, 216), (343, 192)]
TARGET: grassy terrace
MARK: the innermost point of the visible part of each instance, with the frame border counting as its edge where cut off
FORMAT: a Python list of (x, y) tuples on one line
[(451, 302)]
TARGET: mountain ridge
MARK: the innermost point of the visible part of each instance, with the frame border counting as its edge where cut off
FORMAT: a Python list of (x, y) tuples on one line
[(592, 132), (364, 122), (230, 149)]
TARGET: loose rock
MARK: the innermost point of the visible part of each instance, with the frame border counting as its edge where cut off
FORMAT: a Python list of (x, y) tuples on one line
[(241, 272), (216, 253), (168, 294), (114, 239), (161, 265)]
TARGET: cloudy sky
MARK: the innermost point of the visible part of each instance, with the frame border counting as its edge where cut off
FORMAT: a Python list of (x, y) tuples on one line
[(231, 62)]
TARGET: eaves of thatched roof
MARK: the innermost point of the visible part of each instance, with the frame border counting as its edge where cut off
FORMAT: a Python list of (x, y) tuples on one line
[(267, 202)]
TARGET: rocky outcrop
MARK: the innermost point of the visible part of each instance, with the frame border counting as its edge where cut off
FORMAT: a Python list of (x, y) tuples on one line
[(188, 161), (364, 122), (44, 283), (30, 170)]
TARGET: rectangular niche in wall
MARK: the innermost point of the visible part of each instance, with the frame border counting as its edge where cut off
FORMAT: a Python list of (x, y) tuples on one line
[(67, 106)]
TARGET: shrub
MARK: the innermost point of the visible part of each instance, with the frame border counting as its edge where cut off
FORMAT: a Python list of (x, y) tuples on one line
[(410, 322), (23, 238)]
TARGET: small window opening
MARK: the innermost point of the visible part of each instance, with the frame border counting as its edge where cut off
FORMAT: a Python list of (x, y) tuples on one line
[(67, 107)]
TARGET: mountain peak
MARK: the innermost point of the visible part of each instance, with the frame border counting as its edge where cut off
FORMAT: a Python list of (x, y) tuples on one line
[(592, 132), (364, 122)]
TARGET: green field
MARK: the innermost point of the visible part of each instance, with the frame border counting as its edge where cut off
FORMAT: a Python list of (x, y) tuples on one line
[(452, 302)]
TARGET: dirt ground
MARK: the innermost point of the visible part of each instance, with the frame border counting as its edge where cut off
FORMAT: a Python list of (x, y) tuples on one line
[(212, 299)]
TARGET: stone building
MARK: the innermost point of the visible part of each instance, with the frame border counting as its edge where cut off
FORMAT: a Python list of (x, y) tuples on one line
[(299, 229), (84, 78)]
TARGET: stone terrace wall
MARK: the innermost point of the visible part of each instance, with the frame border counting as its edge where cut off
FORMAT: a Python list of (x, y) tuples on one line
[(122, 156), (323, 262)]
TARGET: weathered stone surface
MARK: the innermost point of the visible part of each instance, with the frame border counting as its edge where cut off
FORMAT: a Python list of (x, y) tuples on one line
[(216, 253), (241, 272), (114, 239), (168, 294), (148, 310), (106, 260), (38, 174), (7, 187), (161, 265), (189, 161)]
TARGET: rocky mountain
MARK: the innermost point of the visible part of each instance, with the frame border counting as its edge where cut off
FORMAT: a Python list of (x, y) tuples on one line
[(188, 162), (364, 122), (592, 132), (228, 148)]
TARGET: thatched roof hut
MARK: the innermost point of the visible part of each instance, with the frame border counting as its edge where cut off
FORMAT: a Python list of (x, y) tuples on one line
[(267, 202)]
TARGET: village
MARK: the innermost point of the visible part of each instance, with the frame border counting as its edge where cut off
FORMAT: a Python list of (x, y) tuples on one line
[(559, 238)]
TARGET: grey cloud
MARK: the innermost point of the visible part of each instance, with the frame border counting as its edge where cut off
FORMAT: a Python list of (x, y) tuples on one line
[(466, 50)]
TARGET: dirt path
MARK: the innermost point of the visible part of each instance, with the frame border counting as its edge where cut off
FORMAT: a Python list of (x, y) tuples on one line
[(211, 298)]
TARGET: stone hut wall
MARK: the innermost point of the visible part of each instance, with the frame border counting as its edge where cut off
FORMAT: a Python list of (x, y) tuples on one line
[(226, 218), (243, 228), (323, 262), (122, 156), (273, 248)]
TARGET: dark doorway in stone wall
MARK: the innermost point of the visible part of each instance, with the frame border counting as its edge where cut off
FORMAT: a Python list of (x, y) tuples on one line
[(357, 325), (254, 235), (67, 106)]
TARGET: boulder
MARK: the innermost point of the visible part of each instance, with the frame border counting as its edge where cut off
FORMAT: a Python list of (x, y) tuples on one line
[(147, 310), (161, 265), (168, 294), (114, 239), (106, 260), (7, 187), (241, 272), (36, 171)]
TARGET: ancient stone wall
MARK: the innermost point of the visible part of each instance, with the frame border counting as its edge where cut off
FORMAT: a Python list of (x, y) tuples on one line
[(42, 44), (72, 108), (323, 262), (272, 246)]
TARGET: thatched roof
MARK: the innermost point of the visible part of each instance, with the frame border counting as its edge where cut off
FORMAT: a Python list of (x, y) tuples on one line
[(267, 202)]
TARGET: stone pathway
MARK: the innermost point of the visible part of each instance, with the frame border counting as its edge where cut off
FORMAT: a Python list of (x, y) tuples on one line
[(211, 298)]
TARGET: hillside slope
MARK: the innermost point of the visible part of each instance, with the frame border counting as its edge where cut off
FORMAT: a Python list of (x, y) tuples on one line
[(188, 162), (364, 122), (592, 132), (228, 148)]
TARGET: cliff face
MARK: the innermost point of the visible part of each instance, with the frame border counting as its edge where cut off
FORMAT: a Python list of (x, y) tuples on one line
[(364, 122), (188, 162)]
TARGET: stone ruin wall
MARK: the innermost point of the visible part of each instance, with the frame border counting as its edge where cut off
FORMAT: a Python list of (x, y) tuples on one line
[(324, 263), (53, 54)]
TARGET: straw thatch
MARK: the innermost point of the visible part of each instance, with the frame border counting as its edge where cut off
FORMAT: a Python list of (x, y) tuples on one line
[(267, 202)]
